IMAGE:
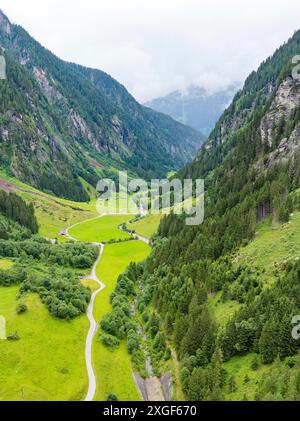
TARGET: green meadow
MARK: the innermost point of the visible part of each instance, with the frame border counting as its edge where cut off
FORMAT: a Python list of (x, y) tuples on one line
[(146, 226), (102, 229), (113, 368), (47, 362)]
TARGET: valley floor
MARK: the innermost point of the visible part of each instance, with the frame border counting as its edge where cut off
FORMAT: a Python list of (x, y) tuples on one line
[(48, 362)]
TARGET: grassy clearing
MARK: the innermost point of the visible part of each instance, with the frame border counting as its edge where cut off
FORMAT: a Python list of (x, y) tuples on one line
[(104, 228), (47, 363), (240, 367), (273, 244), (6, 264), (223, 311), (113, 368), (121, 204)]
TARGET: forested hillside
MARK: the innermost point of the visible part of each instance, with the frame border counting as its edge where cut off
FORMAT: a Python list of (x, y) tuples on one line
[(223, 314), (60, 121)]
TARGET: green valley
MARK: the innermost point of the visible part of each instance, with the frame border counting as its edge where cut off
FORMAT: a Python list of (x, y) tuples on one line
[(101, 297)]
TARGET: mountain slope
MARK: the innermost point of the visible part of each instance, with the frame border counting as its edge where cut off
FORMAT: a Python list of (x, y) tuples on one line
[(195, 107), (60, 121), (224, 308)]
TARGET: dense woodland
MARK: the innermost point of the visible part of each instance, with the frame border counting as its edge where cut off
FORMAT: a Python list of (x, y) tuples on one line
[(190, 264), (14, 208)]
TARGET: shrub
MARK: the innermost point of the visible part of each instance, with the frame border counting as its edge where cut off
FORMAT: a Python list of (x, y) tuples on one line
[(112, 398), (109, 340), (21, 308)]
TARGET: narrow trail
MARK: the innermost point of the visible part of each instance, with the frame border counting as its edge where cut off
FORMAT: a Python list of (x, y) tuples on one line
[(92, 331), (93, 324)]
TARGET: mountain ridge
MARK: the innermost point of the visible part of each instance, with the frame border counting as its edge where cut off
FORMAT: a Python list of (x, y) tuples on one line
[(75, 121)]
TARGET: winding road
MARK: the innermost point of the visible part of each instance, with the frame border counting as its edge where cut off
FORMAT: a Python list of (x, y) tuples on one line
[(93, 324), (93, 329)]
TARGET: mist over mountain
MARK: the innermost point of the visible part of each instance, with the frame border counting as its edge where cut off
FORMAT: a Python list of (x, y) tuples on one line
[(61, 121), (195, 106)]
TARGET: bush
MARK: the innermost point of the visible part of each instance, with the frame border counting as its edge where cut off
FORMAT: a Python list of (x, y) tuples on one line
[(14, 337), (112, 398), (109, 340), (21, 308)]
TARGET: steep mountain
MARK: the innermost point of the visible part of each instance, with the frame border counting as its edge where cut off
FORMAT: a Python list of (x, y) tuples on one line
[(60, 121), (195, 107), (225, 292)]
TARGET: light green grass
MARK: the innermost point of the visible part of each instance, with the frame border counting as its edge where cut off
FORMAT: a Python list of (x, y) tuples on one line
[(6, 264), (239, 367), (146, 226), (104, 228), (113, 368), (121, 204), (273, 244), (91, 284), (53, 217), (47, 363), (223, 311), (23, 188)]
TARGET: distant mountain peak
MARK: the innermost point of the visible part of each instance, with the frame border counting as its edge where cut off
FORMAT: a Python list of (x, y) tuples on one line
[(195, 106)]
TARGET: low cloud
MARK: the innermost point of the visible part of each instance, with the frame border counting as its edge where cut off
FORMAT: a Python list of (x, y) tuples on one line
[(159, 46)]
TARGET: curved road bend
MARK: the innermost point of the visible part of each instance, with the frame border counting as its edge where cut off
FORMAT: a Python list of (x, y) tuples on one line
[(93, 324), (93, 330)]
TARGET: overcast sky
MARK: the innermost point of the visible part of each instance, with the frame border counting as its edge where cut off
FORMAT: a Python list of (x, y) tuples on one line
[(154, 47)]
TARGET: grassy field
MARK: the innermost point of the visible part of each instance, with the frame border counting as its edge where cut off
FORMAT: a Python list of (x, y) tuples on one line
[(89, 283), (113, 368), (102, 229), (146, 226), (47, 363)]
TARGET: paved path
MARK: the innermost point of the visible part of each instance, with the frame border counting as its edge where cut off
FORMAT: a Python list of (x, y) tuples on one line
[(93, 324), (93, 330)]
